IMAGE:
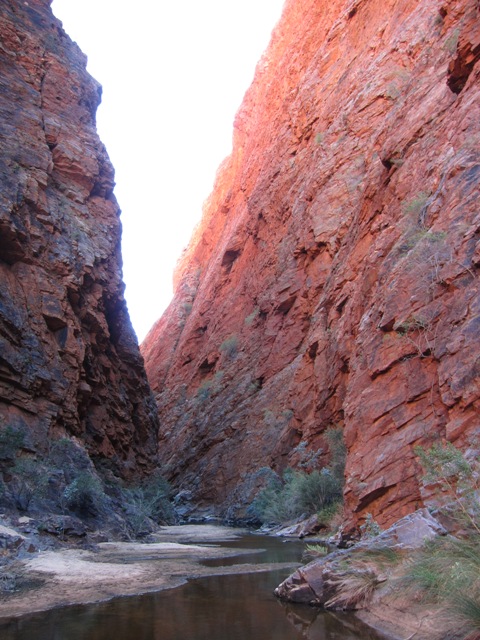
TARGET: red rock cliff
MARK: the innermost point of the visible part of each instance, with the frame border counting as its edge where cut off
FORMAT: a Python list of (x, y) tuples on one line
[(334, 277), (69, 360)]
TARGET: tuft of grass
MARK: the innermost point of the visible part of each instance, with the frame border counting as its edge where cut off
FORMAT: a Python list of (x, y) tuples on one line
[(353, 587), (416, 204), (381, 555), (447, 571), (316, 551)]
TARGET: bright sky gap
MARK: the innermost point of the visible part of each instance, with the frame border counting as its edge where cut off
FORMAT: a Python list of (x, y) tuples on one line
[(173, 76)]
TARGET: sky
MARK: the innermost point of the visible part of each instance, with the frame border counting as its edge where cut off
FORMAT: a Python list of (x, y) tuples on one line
[(173, 74)]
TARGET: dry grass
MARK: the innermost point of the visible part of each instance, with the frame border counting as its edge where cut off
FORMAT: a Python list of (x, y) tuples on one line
[(353, 587)]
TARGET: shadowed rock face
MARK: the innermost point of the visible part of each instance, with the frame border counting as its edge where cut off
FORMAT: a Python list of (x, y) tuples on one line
[(69, 360), (334, 277)]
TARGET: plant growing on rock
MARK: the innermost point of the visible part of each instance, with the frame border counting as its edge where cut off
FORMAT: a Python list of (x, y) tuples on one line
[(300, 493), (458, 480), (11, 440), (29, 481), (447, 570), (354, 588), (229, 346), (370, 528), (296, 494), (148, 502), (84, 494)]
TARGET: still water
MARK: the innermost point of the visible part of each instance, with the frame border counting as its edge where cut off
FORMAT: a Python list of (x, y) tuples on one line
[(229, 607)]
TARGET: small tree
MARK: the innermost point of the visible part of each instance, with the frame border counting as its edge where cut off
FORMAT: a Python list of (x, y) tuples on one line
[(11, 440), (29, 481)]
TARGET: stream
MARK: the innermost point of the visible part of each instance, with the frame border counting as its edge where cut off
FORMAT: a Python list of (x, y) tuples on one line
[(223, 607)]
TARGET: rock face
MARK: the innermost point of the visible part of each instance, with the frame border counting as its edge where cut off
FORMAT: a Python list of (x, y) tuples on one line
[(69, 360), (334, 277)]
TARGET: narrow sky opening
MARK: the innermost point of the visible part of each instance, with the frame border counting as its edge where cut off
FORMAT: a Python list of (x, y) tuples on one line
[(173, 76)]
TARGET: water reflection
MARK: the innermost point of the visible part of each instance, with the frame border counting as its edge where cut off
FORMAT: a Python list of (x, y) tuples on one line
[(232, 607)]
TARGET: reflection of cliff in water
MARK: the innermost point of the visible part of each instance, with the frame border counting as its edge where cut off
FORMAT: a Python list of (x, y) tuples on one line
[(312, 623), (237, 607)]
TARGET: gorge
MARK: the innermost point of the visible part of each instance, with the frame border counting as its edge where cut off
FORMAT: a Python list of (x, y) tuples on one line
[(332, 283)]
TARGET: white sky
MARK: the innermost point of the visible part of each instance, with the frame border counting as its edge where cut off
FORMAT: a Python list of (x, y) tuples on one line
[(173, 76)]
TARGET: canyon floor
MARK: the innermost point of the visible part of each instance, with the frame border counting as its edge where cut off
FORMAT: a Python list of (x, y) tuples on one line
[(80, 576), (72, 576)]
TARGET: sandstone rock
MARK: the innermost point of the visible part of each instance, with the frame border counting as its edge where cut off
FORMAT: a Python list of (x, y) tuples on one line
[(334, 277), (63, 526), (69, 360), (316, 583), (10, 539)]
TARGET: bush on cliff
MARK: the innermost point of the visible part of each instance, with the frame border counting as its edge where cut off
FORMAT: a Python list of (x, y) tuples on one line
[(297, 493), (11, 440), (305, 493)]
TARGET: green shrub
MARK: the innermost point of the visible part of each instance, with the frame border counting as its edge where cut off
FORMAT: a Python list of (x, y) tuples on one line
[(29, 481), (305, 493), (84, 494), (147, 502), (297, 494), (156, 493), (205, 389), (229, 346), (416, 204), (250, 318), (370, 528), (11, 440), (338, 452)]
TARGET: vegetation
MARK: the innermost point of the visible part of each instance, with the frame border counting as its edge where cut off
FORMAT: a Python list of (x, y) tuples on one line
[(29, 481), (457, 480), (149, 501), (84, 494), (11, 440), (301, 493), (370, 528), (354, 588), (252, 316), (415, 205), (447, 570), (229, 346), (66, 481), (315, 551)]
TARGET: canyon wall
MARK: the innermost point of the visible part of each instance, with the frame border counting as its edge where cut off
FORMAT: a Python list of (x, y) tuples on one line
[(333, 280), (69, 359)]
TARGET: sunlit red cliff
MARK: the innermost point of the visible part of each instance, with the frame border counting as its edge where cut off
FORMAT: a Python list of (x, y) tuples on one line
[(333, 280)]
